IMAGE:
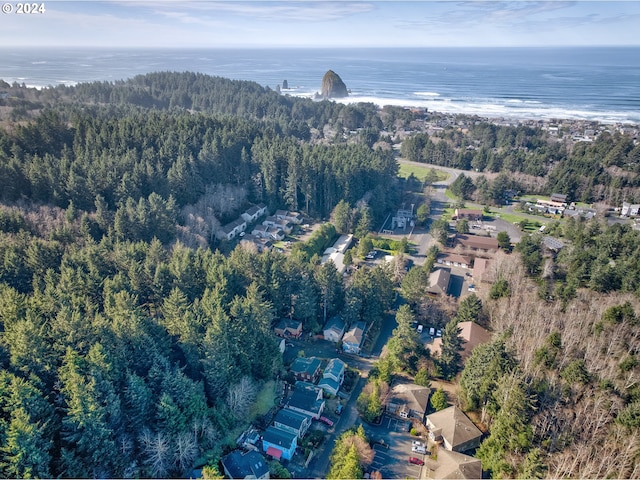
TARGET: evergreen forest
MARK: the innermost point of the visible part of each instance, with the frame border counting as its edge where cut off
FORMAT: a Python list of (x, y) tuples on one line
[(134, 343)]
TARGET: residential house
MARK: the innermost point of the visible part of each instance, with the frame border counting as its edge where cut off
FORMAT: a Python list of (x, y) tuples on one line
[(481, 272), (261, 231), (292, 422), (306, 401), (467, 214), (553, 244), (334, 329), (280, 224), (478, 243), (292, 217), (439, 282), (472, 334), (306, 369), (630, 210), (454, 465), (353, 339), (260, 244), (457, 431), (343, 243), (288, 328), (407, 400), (453, 260), (255, 212), (559, 198), (336, 257), (231, 230), (251, 464), (333, 376), (278, 443)]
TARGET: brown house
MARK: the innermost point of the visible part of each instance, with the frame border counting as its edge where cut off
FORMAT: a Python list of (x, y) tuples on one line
[(467, 214), (472, 334), (478, 243), (453, 260), (288, 328)]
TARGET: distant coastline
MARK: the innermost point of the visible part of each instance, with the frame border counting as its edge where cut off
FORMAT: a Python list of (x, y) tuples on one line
[(584, 83)]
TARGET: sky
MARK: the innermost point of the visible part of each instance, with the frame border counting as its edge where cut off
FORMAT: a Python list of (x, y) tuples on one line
[(362, 23)]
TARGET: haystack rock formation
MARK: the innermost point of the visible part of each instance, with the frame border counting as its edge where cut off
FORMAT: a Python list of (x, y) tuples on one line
[(333, 86)]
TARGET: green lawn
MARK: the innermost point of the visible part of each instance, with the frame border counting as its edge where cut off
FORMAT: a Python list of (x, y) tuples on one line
[(265, 400), (420, 172)]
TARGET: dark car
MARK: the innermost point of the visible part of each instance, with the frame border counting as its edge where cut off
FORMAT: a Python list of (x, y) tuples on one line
[(415, 461)]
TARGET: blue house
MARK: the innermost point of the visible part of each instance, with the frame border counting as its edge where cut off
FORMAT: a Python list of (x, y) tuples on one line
[(333, 376), (279, 444), (352, 340)]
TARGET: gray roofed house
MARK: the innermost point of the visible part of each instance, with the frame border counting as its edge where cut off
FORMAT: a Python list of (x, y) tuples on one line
[(334, 329), (408, 400), (454, 465), (335, 370), (352, 340), (279, 443), (292, 421), (458, 432), (439, 282), (232, 229), (288, 327), (307, 369), (306, 402), (251, 464), (254, 212)]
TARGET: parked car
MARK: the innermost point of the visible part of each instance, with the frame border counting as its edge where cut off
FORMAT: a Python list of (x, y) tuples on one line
[(339, 409), (419, 449), (326, 420), (416, 443), (472, 288), (371, 255), (438, 333), (415, 461)]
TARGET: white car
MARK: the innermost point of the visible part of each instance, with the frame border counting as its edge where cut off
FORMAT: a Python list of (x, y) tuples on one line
[(419, 449), (416, 443)]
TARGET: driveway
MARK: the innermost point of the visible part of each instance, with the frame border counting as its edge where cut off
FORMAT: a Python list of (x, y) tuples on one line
[(392, 458)]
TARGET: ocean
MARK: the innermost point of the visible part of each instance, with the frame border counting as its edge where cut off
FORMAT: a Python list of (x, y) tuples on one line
[(588, 83)]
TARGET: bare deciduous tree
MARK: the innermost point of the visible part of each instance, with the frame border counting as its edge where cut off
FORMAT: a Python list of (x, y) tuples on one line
[(241, 396), (157, 452)]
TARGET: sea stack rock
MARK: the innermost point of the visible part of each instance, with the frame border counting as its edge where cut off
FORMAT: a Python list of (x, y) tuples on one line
[(333, 86), (285, 84)]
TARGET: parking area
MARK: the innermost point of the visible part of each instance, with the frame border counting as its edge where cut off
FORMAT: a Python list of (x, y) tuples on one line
[(393, 448)]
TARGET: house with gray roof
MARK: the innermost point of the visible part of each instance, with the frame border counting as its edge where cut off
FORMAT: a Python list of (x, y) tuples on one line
[(279, 443), (333, 376), (439, 282), (307, 401), (457, 431), (353, 339), (306, 369), (292, 422), (251, 464), (334, 329)]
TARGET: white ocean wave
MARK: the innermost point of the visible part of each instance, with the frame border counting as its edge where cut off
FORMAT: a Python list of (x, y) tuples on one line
[(427, 94), (498, 108)]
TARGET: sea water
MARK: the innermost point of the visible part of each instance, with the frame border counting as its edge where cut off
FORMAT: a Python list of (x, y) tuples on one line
[(590, 83)]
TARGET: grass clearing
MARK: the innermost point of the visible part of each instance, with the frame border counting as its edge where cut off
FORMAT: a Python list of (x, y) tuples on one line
[(420, 172), (264, 401)]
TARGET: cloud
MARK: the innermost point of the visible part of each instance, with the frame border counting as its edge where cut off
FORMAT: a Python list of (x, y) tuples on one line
[(316, 11)]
